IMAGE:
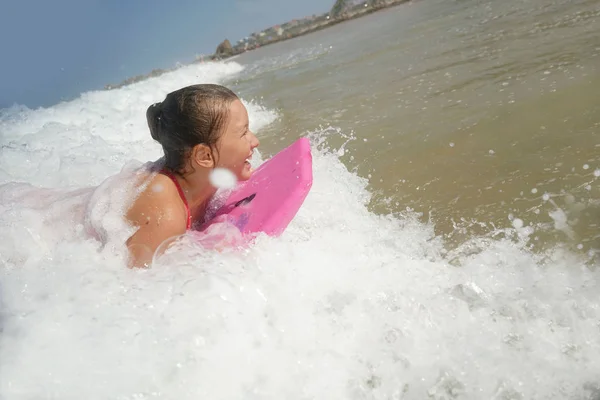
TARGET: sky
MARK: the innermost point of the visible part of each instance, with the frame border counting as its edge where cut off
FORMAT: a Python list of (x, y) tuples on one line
[(54, 50)]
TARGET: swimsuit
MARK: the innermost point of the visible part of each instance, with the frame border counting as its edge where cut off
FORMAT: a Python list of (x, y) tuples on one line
[(182, 195)]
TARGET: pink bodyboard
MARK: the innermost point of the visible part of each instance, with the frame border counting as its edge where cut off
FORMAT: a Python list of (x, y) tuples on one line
[(270, 199)]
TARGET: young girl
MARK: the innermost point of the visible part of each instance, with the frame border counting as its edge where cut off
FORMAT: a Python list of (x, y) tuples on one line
[(200, 128)]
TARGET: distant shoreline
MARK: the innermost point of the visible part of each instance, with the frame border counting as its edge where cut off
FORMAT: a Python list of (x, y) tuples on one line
[(317, 23)]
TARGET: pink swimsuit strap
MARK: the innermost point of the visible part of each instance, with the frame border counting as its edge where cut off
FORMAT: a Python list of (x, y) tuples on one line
[(182, 195)]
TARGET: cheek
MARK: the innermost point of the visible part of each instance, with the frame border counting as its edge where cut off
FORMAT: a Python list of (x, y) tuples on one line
[(228, 158), (224, 153), (232, 154)]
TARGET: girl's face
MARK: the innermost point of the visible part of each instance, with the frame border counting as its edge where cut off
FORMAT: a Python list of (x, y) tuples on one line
[(237, 143)]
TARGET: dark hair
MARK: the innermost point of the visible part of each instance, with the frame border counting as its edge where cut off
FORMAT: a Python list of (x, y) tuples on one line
[(187, 117)]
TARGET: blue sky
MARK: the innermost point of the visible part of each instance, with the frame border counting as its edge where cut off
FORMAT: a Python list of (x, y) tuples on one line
[(54, 50)]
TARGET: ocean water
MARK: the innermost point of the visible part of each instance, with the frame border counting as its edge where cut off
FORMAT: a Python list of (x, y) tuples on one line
[(474, 113), (354, 301)]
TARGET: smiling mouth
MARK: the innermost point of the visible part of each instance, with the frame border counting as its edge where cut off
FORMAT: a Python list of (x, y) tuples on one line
[(247, 162)]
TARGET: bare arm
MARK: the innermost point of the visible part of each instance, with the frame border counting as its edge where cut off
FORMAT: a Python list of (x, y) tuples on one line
[(157, 221)]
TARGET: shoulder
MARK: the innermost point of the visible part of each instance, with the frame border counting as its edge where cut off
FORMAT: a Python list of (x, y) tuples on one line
[(158, 215), (158, 204)]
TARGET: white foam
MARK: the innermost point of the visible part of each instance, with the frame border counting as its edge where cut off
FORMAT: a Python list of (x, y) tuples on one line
[(345, 305)]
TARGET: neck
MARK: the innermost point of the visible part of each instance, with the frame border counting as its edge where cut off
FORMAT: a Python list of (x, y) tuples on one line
[(198, 192)]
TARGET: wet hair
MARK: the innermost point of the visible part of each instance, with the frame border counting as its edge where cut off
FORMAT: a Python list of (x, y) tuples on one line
[(187, 117)]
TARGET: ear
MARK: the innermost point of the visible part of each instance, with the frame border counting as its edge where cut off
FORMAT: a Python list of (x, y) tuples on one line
[(202, 156)]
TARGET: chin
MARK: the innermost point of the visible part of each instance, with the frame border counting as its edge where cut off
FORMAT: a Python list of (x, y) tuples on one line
[(244, 176)]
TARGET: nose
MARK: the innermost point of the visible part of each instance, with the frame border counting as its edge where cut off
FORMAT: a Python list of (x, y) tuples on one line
[(254, 142)]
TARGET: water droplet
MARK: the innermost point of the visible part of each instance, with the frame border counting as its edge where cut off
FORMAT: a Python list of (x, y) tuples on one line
[(534, 190), (491, 152), (517, 223), (546, 197), (451, 144), (222, 178), (585, 166)]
